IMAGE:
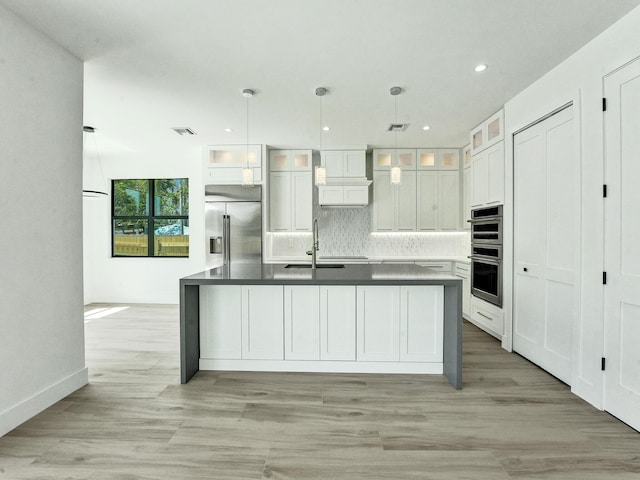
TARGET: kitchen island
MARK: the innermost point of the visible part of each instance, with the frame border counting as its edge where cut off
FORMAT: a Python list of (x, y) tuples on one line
[(399, 318)]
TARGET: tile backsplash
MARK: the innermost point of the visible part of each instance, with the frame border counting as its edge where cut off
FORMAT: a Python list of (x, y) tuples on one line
[(347, 232)]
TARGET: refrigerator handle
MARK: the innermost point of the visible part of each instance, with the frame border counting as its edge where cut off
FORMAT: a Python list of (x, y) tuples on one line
[(226, 239)]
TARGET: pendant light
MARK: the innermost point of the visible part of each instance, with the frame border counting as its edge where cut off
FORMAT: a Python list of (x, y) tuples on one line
[(396, 172), (247, 172), (321, 170), (93, 185)]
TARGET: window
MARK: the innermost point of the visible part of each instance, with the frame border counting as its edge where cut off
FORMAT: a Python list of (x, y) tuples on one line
[(150, 218)]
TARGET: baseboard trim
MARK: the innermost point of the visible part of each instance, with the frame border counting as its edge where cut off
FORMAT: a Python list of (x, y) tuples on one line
[(30, 407), (322, 366)]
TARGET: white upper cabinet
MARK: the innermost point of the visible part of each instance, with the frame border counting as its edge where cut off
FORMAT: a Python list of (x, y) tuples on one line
[(488, 133), (384, 159), (344, 163), (487, 159), (394, 206), (466, 156), (438, 194), (427, 158), (488, 177), (467, 186), (427, 198), (448, 159), (223, 164), (290, 191), (438, 159), (290, 160)]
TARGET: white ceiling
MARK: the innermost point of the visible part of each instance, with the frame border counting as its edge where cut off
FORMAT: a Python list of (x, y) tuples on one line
[(155, 64)]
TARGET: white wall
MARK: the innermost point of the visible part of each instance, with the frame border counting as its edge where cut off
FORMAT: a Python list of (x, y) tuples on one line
[(41, 312), (142, 280), (579, 79)]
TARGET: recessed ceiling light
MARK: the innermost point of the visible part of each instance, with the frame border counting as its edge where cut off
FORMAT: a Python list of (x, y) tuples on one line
[(426, 127), (481, 68), (228, 130), (326, 128)]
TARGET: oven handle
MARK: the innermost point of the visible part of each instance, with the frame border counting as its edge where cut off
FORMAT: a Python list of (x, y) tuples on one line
[(486, 259)]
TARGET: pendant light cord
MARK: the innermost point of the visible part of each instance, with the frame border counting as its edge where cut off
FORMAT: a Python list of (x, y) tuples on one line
[(247, 156), (395, 133)]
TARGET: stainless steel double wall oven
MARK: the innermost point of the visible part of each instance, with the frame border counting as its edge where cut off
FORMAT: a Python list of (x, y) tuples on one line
[(486, 254)]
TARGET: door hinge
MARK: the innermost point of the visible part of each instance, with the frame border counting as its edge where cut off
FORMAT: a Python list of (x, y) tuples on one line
[(604, 278), (603, 363), (604, 104), (604, 191)]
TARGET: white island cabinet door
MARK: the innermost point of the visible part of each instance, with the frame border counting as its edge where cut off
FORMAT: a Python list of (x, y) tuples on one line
[(378, 323), (421, 323), (301, 322), (338, 323), (220, 307), (262, 322)]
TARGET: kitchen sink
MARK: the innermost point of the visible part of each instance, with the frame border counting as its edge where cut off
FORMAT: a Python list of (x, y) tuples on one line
[(319, 265)]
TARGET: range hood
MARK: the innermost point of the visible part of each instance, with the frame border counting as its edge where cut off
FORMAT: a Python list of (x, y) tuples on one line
[(344, 193), (347, 185)]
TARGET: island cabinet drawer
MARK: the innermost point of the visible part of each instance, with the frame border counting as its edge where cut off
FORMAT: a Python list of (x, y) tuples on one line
[(400, 323)]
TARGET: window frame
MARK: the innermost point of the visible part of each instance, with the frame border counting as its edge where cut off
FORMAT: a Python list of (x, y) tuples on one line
[(149, 217)]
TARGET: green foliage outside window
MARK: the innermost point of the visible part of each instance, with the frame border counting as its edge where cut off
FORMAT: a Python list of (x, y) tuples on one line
[(158, 228)]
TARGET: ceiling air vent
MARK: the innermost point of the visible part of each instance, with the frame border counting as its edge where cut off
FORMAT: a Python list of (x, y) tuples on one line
[(183, 131), (398, 127)]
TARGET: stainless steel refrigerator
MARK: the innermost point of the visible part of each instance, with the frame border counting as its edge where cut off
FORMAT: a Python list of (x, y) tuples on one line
[(233, 224)]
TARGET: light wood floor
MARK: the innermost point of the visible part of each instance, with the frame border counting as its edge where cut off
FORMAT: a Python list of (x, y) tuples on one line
[(135, 421)]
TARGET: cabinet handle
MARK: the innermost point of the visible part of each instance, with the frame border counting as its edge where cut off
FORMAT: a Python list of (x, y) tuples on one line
[(485, 316)]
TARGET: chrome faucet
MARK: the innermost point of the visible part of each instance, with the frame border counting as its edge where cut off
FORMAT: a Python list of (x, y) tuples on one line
[(316, 246)]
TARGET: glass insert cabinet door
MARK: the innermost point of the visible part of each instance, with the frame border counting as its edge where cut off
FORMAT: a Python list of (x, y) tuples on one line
[(237, 156), (384, 159)]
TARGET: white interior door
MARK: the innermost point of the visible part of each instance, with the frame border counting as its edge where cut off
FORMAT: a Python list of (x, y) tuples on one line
[(546, 244), (622, 251)]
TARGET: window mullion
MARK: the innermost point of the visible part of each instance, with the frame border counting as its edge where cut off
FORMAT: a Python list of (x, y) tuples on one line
[(151, 212)]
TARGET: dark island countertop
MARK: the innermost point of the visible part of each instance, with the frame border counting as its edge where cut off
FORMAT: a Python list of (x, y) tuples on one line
[(351, 274)]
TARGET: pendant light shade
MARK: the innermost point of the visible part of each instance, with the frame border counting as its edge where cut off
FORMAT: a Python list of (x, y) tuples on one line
[(321, 170), (396, 175), (396, 172), (247, 172), (247, 177)]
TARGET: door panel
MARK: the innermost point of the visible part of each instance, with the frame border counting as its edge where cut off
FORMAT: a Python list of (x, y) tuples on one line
[(622, 255), (546, 245)]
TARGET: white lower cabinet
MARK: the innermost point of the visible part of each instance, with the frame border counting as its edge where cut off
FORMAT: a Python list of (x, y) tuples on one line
[(487, 316), (338, 323), (421, 313), (262, 322), (220, 328), (301, 322), (400, 323), (308, 327), (378, 323)]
